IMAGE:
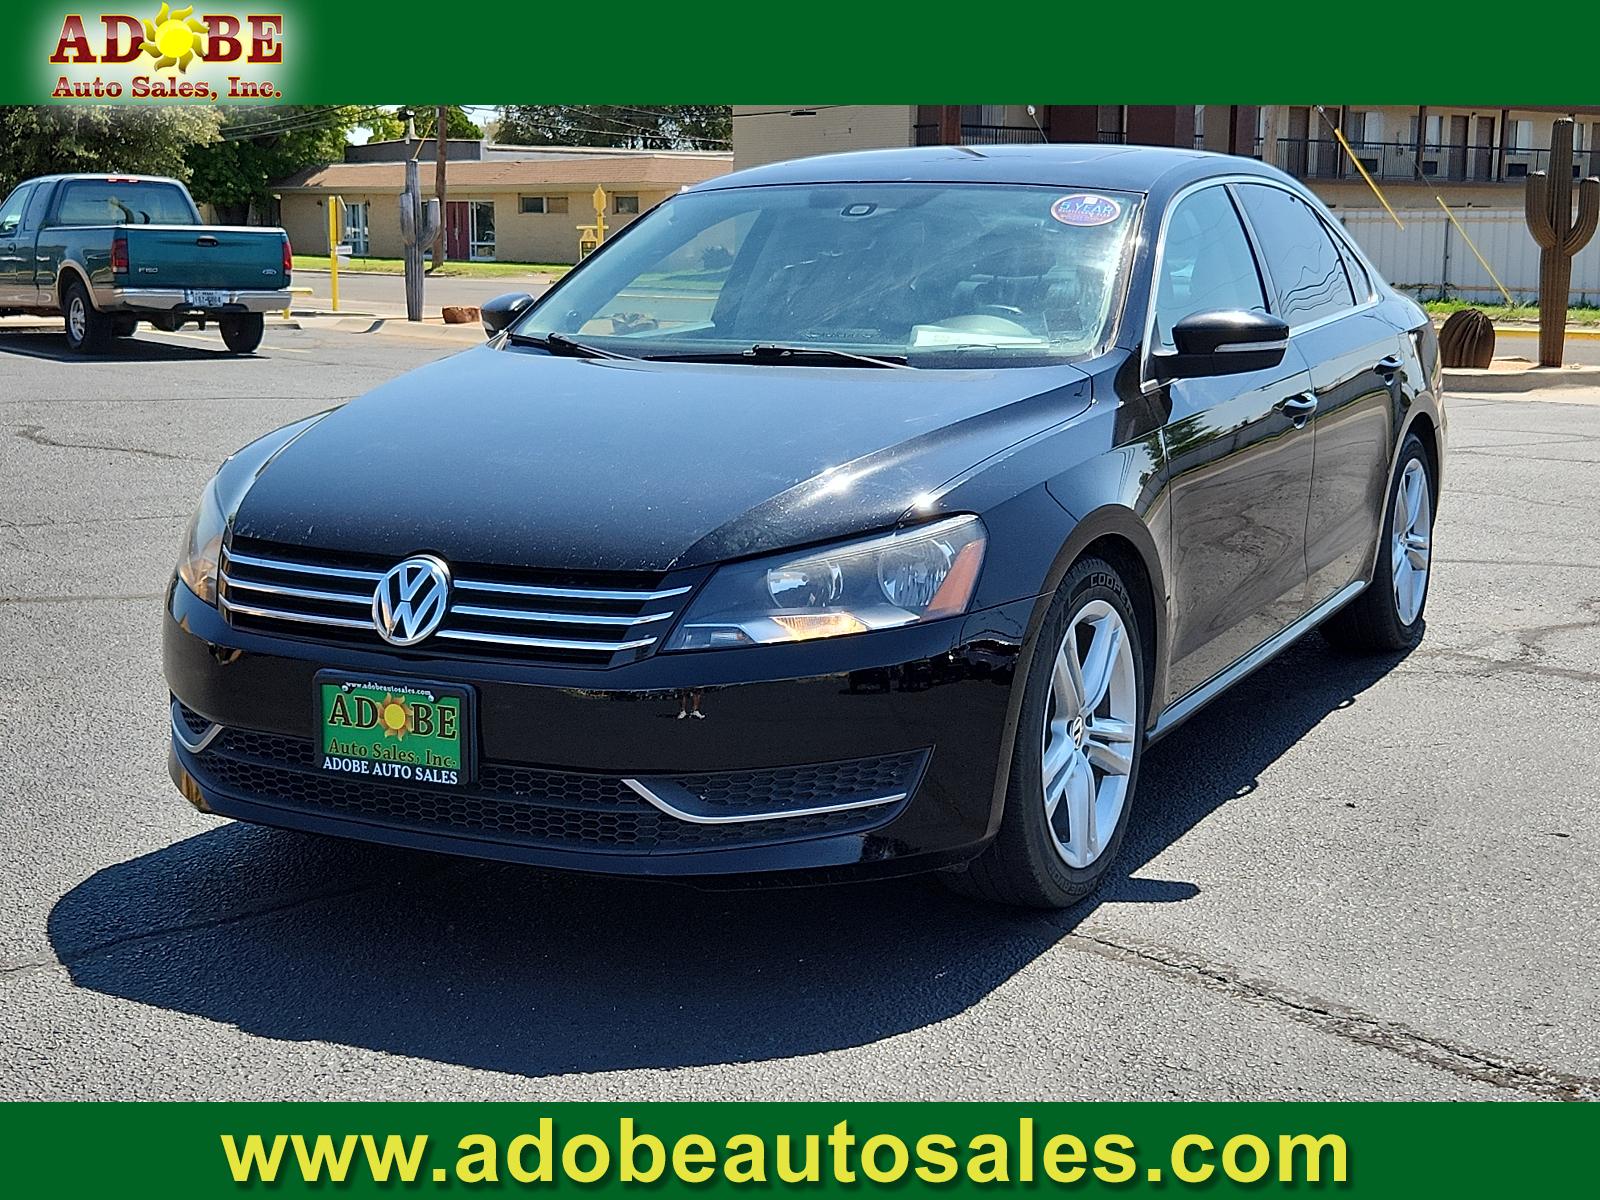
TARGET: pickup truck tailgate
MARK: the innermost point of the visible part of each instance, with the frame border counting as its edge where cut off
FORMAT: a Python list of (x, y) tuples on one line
[(217, 257)]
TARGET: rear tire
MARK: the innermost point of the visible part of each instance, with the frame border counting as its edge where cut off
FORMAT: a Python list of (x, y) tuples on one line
[(1052, 856), (242, 334), (1388, 616), (125, 327), (88, 329)]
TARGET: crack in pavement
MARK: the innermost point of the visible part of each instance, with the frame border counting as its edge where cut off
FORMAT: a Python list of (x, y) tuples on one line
[(111, 597), (96, 950), (77, 522), (1517, 562), (1490, 667), (1341, 1021), (121, 401), (37, 435)]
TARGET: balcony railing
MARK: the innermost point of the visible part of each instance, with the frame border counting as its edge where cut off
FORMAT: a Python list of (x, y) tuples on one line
[(1325, 158), (927, 134)]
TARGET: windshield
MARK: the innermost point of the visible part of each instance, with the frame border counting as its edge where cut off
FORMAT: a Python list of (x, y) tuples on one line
[(932, 274), (123, 202)]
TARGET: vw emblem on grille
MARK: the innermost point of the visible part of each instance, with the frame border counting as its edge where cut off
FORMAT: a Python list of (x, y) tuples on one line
[(410, 599)]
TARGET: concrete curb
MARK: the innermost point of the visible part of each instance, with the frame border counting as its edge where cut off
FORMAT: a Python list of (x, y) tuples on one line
[(1532, 331), (1534, 379), (399, 327)]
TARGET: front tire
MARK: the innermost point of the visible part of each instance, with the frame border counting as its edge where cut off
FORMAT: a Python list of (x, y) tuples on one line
[(1388, 616), (242, 334), (89, 331), (1075, 762)]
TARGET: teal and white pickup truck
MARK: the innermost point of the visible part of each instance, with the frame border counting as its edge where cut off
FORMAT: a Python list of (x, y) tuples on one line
[(108, 251)]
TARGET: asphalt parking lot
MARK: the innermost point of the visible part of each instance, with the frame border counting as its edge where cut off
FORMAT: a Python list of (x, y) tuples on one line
[(1351, 878)]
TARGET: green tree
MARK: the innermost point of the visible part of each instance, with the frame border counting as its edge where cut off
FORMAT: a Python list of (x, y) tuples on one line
[(42, 139), (389, 126), (645, 127), (261, 145)]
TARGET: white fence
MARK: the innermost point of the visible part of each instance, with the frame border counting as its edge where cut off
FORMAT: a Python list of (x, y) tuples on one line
[(1429, 259)]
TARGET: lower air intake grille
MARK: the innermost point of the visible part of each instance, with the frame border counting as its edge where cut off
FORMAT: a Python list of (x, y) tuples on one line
[(527, 805)]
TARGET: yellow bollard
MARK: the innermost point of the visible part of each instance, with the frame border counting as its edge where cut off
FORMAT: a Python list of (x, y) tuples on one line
[(335, 228)]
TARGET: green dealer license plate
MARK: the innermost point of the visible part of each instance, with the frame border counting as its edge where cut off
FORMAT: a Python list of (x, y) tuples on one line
[(393, 731)]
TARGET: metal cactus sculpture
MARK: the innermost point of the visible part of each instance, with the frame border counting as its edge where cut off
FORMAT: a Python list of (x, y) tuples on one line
[(1558, 236), (419, 226), (1467, 339)]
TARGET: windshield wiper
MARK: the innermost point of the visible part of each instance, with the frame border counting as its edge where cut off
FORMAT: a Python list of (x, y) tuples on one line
[(767, 352), (770, 350), (560, 343)]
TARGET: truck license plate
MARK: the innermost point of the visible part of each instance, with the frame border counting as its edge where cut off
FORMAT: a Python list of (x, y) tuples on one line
[(204, 298)]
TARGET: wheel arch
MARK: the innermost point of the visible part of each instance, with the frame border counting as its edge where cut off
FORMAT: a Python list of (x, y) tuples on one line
[(1427, 431), (71, 272), (1116, 534)]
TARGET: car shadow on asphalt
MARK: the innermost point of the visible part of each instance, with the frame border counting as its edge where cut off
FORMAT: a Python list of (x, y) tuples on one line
[(52, 346), (489, 966)]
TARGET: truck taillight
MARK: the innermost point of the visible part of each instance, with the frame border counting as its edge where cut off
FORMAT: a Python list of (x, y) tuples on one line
[(119, 255), (288, 258)]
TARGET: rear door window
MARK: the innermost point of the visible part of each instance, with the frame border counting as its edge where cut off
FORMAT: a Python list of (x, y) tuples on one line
[(34, 213), (1306, 270), (123, 202)]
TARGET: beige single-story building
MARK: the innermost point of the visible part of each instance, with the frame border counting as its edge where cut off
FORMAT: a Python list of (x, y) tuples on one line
[(506, 210)]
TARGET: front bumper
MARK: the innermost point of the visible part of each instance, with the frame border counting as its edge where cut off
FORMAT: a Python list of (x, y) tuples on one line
[(882, 752), (176, 300)]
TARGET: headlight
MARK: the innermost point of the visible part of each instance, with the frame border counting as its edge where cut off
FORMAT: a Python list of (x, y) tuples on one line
[(202, 547), (899, 578)]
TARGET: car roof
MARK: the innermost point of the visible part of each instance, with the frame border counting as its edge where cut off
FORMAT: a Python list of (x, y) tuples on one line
[(1114, 167), (102, 176)]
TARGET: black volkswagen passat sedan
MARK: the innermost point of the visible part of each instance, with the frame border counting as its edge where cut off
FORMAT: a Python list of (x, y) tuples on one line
[(865, 513)]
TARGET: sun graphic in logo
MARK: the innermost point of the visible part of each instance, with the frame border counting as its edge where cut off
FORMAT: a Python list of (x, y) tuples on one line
[(172, 40), (394, 714)]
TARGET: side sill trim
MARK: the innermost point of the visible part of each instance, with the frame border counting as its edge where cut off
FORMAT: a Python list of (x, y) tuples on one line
[(673, 811), (1187, 706), (194, 745)]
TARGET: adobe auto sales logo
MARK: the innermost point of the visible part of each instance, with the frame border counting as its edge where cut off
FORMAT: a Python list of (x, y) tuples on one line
[(171, 56)]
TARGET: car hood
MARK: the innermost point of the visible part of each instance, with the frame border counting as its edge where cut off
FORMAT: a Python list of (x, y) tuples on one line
[(524, 459)]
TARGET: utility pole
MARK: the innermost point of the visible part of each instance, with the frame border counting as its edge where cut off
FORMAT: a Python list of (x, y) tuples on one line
[(441, 138)]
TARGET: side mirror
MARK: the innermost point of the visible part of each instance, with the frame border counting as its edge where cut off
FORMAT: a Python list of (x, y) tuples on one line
[(500, 312), (1225, 342)]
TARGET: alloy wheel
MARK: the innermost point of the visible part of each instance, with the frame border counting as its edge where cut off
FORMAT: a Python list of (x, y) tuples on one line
[(1413, 541), (1089, 731), (77, 318)]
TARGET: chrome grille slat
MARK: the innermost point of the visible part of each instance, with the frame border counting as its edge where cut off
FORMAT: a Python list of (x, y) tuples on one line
[(508, 639), (278, 614), (554, 618), (523, 589), (268, 564), (543, 616), (283, 589)]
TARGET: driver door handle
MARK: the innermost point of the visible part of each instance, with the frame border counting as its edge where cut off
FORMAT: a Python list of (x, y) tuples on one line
[(1298, 408)]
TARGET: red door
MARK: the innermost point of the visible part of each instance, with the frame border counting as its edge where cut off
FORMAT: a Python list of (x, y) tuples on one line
[(457, 230)]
